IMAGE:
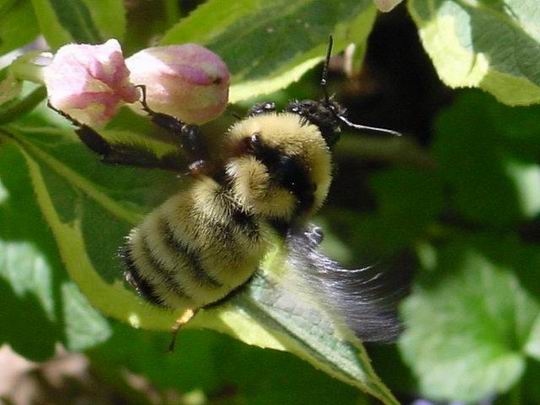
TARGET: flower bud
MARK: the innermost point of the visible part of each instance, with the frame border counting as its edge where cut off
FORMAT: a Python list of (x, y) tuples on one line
[(89, 82), (386, 5), (186, 81)]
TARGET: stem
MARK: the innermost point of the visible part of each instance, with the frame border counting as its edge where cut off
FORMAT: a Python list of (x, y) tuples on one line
[(24, 106), (396, 150)]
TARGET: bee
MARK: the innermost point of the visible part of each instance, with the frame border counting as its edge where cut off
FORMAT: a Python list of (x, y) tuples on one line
[(273, 174)]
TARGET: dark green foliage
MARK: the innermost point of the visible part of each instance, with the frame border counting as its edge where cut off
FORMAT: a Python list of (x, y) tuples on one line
[(459, 202)]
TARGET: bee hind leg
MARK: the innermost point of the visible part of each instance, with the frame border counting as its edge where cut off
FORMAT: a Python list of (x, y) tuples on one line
[(181, 321)]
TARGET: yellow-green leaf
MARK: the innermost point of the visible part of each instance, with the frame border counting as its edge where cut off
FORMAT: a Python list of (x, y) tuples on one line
[(268, 45), (493, 45), (90, 207)]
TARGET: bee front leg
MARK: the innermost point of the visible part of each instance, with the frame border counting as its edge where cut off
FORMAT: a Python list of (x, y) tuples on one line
[(262, 108), (121, 153), (188, 136)]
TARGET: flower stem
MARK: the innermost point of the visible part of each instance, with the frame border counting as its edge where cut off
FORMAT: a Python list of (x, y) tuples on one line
[(24, 106)]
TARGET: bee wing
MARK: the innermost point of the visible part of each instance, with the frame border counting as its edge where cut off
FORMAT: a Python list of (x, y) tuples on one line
[(365, 300)]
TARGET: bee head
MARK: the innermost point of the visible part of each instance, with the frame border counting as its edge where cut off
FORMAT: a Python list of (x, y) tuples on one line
[(328, 115), (279, 164), (323, 114)]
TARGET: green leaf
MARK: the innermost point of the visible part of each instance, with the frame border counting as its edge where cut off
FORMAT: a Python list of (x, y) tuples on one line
[(533, 347), (85, 327), (493, 45), (192, 366), (36, 295), (530, 385), (90, 207), (24, 98), (10, 88), (268, 45), (18, 26), (470, 326), (404, 218), (109, 17), (81, 21), (493, 173), (297, 326), (397, 222), (214, 363)]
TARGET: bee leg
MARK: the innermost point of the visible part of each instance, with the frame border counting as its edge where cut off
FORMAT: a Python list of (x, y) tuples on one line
[(262, 108), (121, 153), (188, 136), (184, 318)]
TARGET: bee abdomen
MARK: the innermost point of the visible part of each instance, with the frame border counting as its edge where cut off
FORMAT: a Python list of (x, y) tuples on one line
[(191, 256), (132, 275), (184, 255), (148, 274)]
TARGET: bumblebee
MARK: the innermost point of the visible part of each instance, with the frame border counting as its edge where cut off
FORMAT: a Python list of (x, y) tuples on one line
[(273, 174)]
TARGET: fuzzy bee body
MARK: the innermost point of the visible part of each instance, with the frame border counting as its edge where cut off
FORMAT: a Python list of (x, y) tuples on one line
[(203, 243), (185, 255), (272, 175)]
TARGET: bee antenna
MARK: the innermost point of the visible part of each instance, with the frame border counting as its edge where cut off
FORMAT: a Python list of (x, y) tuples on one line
[(365, 127), (324, 79), (337, 114)]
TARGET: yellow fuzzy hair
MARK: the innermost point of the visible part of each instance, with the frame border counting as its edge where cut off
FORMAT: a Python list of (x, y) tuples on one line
[(285, 132), (197, 218)]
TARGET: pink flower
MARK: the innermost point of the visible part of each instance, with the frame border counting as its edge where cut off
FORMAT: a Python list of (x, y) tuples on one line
[(386, 5), (186, 81), (89, 82)]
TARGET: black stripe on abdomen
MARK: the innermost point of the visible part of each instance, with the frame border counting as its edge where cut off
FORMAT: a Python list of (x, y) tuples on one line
[(194, 264), (134, 278), (165, 274)]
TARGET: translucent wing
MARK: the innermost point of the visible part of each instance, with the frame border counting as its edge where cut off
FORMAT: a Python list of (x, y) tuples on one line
[(303, 302), (365, 300)]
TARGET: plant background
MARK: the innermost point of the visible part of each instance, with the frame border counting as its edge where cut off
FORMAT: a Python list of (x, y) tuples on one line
[(457, 198)]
